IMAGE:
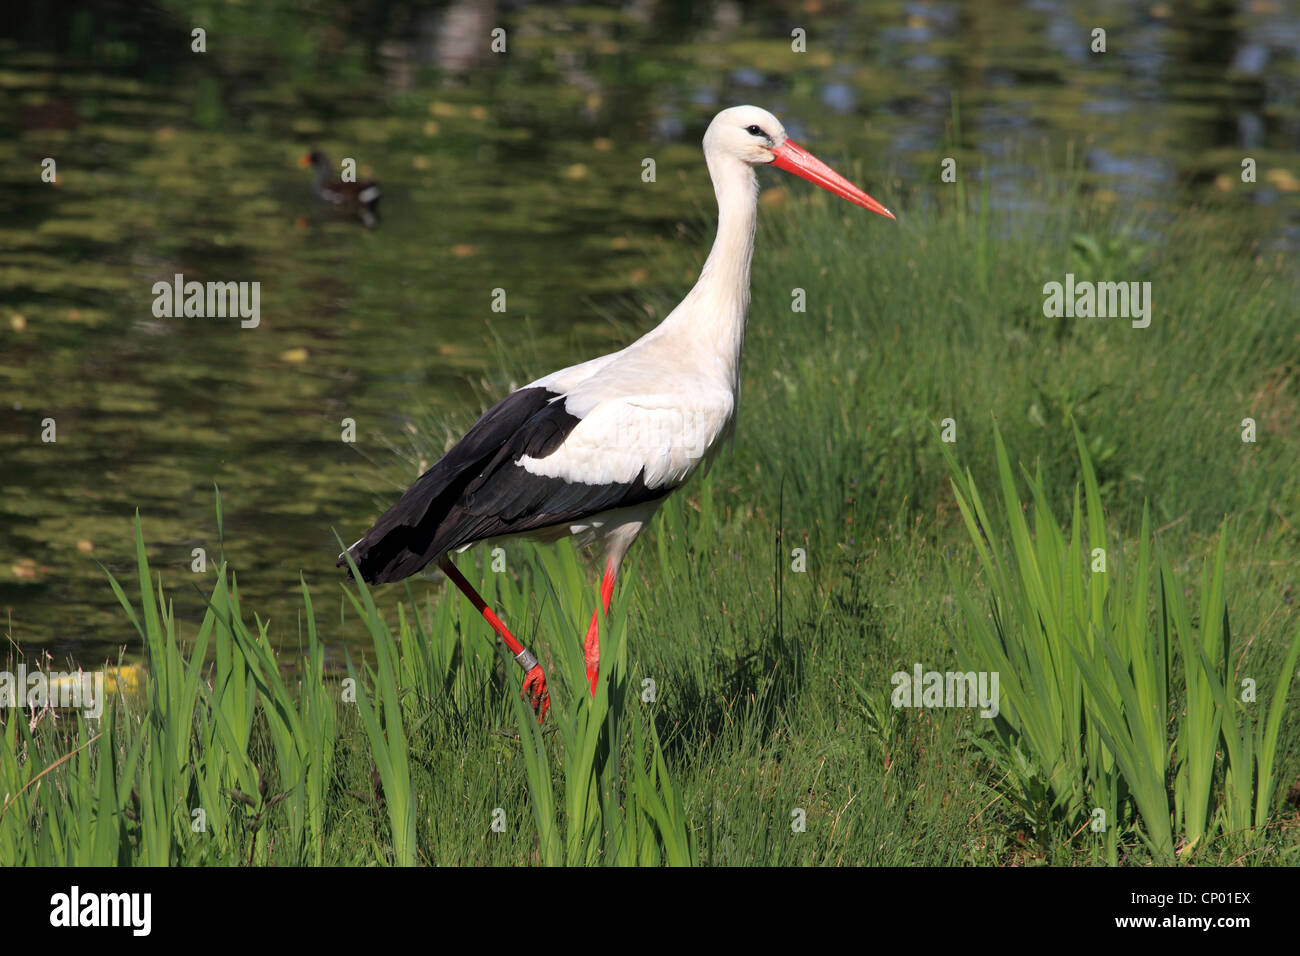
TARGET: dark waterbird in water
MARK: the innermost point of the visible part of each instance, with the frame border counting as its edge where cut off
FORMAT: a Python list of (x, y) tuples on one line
[(593, 450), (362, 198)]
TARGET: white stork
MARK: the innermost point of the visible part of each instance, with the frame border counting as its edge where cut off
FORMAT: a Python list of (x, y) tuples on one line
[(594, 449)]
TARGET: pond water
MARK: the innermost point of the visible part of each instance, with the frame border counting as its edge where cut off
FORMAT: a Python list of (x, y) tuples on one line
[(519, 171)]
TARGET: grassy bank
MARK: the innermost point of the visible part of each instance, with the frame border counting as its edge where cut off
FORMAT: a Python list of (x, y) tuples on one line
[(747, 715)]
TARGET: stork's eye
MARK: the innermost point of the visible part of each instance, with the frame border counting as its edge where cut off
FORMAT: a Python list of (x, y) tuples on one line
[(756, 131)]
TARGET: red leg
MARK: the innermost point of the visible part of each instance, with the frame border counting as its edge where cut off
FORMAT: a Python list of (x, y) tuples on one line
[(591, 647), (535, 691)]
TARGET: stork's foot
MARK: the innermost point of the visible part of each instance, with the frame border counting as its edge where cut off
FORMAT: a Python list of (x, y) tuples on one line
[(535, 692), (591, 653)]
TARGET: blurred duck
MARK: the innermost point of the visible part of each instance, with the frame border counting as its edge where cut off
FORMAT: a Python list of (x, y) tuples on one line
[(363, 198)]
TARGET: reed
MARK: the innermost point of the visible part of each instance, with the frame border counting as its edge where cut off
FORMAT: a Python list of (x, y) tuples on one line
[(1118, 711)]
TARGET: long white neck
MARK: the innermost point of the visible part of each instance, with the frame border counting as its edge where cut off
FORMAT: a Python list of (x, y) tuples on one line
[(712, 316)]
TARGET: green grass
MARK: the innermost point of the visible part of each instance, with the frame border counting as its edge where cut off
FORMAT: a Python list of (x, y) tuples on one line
[(1104, 726), (770, 736)]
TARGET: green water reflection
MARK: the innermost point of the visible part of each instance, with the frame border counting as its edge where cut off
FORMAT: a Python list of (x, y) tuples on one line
[(519, 171)]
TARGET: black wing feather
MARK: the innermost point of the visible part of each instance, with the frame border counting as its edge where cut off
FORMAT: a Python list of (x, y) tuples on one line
[(403, 532), (477, 491)]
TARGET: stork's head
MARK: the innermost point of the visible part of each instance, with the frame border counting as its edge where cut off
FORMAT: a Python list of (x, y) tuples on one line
[(750, 134), (756, 137)]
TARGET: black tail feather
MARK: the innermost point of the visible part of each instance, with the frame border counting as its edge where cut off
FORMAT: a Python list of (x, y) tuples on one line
[(405, 538)]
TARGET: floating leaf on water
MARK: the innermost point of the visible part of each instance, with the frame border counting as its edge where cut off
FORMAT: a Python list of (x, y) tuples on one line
[(1283, 179)]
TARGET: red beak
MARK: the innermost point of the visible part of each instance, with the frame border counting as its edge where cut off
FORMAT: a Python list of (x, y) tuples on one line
[(793, 158)]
